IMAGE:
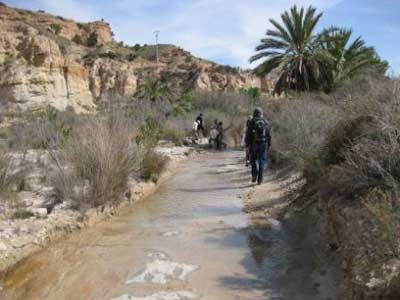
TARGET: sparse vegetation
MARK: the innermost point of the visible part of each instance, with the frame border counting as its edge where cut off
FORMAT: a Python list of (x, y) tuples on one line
[(154, 90), (11, 178), (56, 28), (153, 165), (92, 39), (95, 164), (78, 39), (22, 214)]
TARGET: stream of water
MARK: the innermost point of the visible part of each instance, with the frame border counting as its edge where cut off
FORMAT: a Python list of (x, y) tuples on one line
[(189, 240)]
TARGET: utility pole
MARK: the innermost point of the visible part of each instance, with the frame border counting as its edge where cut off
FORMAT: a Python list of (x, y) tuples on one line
[(157, 33)]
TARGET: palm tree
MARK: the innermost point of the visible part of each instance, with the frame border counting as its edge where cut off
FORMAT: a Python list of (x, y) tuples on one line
[(154, 90), (291, 50), (348, 58)]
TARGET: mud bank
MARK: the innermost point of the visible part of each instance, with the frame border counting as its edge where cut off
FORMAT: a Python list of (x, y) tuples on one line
[(304, 256), (371, 268), (20, 239)]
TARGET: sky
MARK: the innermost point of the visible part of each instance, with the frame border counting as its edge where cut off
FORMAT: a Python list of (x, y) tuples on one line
[(226, 31)]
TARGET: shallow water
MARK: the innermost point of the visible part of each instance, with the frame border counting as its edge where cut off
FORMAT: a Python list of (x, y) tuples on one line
[(190, 240)]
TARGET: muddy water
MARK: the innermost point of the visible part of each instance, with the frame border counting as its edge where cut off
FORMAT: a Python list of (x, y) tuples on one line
[(190, 240)]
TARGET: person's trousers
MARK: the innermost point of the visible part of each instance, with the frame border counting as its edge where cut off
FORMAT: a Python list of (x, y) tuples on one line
[(259, 160)]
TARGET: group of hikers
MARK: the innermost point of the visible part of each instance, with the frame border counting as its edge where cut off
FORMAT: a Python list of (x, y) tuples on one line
[(256, 139), (216, 138)]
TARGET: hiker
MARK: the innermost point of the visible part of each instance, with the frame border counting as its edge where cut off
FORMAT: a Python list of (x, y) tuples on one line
[(220, 137), (200, 126), (195, 128), (243, 141), (213, 140), (214, 133), (258, 140)]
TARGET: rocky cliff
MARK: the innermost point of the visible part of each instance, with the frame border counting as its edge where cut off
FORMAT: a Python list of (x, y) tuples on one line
[(49, 60)]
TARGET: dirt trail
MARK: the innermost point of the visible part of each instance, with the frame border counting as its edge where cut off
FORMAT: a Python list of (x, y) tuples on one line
[(190, 240)]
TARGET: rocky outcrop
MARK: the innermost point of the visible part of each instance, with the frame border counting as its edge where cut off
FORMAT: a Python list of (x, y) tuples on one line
[(44, 61), (34, 72)]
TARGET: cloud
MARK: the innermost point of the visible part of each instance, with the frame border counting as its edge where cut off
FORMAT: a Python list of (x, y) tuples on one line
[(223, 30)]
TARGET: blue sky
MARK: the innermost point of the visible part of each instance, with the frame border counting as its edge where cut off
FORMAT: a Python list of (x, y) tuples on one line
[(227, 31)]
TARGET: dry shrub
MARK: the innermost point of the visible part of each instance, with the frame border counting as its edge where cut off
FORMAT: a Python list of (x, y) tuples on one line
[(174, 135), (344, 135), (95, 164), (362, 154), (386, 217), (11, 178), (228, 103), (368, 165), (153, 165), (299, 128)]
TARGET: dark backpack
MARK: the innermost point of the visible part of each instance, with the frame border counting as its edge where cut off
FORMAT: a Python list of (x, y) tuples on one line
[(261, 130)]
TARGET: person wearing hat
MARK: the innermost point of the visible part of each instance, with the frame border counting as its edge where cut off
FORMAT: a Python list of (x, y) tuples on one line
[(258, 140)]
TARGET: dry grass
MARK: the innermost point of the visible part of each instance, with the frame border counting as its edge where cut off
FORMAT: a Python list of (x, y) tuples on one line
[(153, 165), (95, 164), (10, 177), (346, 144), (299, 129)]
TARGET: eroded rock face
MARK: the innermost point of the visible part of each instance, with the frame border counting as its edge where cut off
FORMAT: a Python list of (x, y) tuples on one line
[(34, 72), (43, 62)]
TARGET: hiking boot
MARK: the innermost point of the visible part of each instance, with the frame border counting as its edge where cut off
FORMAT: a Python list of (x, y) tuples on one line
[(254, 179), (247, 163)]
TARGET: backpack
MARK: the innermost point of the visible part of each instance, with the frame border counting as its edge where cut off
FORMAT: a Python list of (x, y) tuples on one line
[(261, 130)]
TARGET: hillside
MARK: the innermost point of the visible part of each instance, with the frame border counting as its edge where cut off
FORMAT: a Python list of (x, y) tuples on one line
[(46, 59)]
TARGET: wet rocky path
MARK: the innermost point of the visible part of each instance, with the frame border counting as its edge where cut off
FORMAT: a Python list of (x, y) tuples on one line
[(190, 240)]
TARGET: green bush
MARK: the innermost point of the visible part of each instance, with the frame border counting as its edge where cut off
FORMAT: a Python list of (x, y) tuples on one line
[(78, 39), (149, 133), (5, 133), (56, 28), (131, 57), (22, 214)]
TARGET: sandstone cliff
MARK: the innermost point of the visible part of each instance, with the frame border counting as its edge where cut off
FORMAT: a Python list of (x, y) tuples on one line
[(49, 60)]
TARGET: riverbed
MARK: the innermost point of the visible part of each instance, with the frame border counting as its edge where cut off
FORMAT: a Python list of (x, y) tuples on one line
[(191, 239)]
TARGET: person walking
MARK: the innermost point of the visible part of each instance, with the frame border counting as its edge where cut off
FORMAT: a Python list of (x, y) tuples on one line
[(258, 140), (243, 141), (200, 126), (221, 135)]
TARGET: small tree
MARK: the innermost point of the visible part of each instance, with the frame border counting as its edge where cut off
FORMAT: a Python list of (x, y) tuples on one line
[(56, 28), (154, 90), (78, 39)]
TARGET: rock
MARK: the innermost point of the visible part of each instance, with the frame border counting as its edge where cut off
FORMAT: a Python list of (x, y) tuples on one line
[(41, 67), (3, 246), (179, 295)]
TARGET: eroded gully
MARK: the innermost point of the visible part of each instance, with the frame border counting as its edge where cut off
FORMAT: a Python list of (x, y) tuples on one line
[(189, 240)]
